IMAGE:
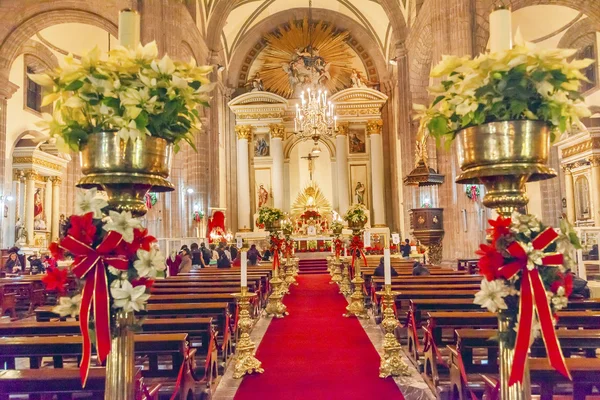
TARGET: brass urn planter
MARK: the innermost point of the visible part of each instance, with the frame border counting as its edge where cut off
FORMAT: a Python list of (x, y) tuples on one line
[(503, 156), (356, 226), (273, 226), (126, 170)]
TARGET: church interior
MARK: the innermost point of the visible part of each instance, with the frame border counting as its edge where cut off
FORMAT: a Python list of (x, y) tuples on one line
[(299, 199)]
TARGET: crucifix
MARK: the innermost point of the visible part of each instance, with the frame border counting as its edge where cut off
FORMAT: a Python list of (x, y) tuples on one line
[(311, 164)]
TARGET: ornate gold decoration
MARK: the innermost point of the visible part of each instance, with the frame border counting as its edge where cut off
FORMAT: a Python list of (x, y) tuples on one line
[(30, 174), (421, 220), (277, 131), (245, 361), (391, 359), (356, 111), (374, 127), (287, 64), (56, 181), (357, 299), (120, 365), (434, 251), (244, 131), (343, 128), (37, 162), (289, 274), (336, 276), (274, 306), (126, 171), (311, 197), (518, 391), (18, 175), (345, 288), (503, 156), (594, 161), (259, 115)]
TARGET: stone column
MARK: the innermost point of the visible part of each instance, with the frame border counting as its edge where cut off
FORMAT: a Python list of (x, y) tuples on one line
[(48, 202), (570, 191), (277, 136), (30, 177), (595, 189), (377, 203), (244, 133), (56, 181), (341, 152)]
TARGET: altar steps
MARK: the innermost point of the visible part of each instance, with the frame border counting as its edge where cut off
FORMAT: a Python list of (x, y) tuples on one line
[(318, 266)]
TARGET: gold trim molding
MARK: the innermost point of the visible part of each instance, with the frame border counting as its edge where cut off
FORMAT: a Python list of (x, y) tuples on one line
[(343, 128), (593, 143), (259, 115), (244, 131), (37, 162)]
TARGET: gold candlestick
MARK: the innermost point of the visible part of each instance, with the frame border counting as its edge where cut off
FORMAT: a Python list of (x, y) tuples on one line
[(274, 306), (336, 274), (357, 299), (289, 274), (245, 362), (345, 288), (391, 360)]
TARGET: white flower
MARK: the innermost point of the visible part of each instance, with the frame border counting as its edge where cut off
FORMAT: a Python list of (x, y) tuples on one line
[(149, 263), (492, 295), (68, 306), (88, 201), (122, 223), (117, 272), (127, 297)]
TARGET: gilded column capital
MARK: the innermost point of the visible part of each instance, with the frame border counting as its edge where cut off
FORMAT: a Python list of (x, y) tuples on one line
[(566, 169), (243, 131), (30, 174), (277, 131), (343, 129), (595, 161), (18, 175), (56, 181), (374, 127)]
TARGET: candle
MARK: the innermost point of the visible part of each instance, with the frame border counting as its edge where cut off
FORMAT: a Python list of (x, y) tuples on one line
[(367, 239), (244, 274), (129, 28), (345, 251), (387, 267), (500, 30)]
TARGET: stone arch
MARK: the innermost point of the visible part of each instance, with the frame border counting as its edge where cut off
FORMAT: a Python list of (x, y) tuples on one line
[(250, 48), (581, 34), (38, 56), (13, 42), (327, 142)]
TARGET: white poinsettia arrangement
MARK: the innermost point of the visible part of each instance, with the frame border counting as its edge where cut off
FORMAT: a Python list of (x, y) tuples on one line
[(269, 215), (113, 247), (129, 91), (523, 83), (356, 213), (527, 279)]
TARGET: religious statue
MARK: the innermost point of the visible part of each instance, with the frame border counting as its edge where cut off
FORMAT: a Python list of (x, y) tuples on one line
[(62, 226), (357, 80), (19, 229), (311, 164), (263, 196), (359, 192), (257, 83), (306, 69), (38, 207), (39, 224)]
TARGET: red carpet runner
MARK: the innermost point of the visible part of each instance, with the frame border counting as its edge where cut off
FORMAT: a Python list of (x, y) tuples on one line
[(315, 353)]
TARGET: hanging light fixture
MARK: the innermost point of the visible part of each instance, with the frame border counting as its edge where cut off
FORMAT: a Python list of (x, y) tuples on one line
[(314, 114)]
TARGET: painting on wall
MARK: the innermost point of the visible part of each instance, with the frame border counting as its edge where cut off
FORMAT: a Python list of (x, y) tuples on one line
[(357, 140), (359, 184), (262, 145)]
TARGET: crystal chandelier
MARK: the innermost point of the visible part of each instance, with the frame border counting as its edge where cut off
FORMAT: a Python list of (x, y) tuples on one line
[(314, 117)]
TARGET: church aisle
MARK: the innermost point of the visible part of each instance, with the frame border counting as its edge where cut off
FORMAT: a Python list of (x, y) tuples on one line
[(315, 353)]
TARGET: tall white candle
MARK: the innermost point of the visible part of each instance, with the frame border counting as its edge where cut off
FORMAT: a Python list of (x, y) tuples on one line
[(129, 28), (387, 267), (345, 251), (500, 30), (244, 273)]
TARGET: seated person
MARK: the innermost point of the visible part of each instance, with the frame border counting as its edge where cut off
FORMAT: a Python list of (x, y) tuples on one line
[(419, 269), (266, 255), (223, 261), (580, 289), (13, 265), (36, 265), (593, 254), (380, 270)]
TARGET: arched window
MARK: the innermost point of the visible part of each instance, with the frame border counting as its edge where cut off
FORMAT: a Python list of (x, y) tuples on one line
[(33, 97), (591, 72), (582, 198)]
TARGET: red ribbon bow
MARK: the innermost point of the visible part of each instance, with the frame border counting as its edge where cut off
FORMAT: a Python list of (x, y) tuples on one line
[(90, 264), (356, 247), (338, 246), (533, 296), (276, 245)]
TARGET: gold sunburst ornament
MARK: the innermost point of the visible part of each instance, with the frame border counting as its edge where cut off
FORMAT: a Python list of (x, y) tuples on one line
[(311, 198), (304, 55)]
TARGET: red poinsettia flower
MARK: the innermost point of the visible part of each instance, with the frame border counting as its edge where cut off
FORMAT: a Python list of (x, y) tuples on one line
[(83, 228), (563, 280), (500, 227), (142, 282), (489, 263), (55, 279), (56, 251), (141, 240)]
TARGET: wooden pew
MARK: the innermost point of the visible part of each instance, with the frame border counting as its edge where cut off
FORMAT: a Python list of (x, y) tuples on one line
[(28, 292), (8, 302), (65, 383), (173, 345)]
